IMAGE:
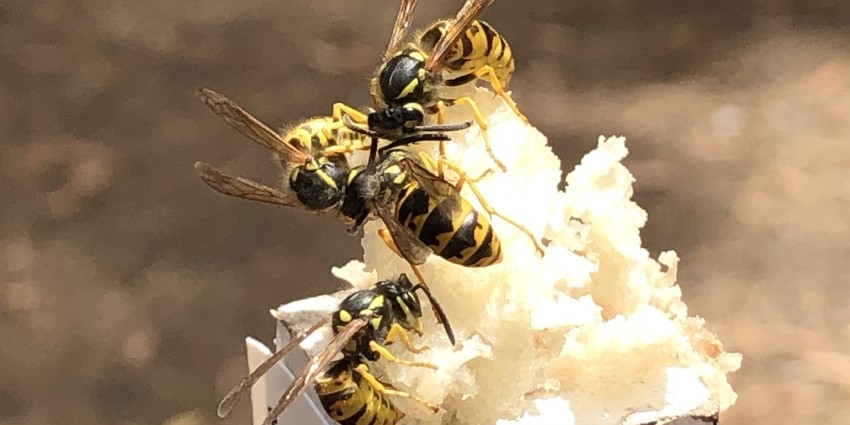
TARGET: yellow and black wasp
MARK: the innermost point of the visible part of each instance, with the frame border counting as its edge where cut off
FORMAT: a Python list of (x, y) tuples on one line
[(363, 324), (425, 214), (450, 52)]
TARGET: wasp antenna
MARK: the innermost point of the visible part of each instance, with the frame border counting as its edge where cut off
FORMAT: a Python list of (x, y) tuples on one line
[(416, 138), (373, 155), (444, 127), (234, 395), (353, 126), (438, 310)]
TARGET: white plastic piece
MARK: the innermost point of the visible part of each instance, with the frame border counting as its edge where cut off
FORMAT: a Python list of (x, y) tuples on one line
[(298, 316), (267, 391)]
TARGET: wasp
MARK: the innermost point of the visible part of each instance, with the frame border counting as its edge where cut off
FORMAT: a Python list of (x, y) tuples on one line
[(363, 324), (426, 214), (450, 52)]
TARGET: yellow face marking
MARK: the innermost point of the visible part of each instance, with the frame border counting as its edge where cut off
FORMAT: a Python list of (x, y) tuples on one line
[(376, 322), (393, 169), (417, 324), (400, 301), (294, 175), (344, 316), (399, 179)]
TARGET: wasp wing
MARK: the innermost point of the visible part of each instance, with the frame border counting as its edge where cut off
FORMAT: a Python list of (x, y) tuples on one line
[(251, 127), (402, 23), (468, 13), (316, 367), (234, 395), (241, 187), (437, 188), (408, 245)]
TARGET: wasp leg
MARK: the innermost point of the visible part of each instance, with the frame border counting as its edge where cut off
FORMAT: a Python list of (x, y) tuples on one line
[(490, 73), (388, 239), (381, 388), (463, 178), (398, 332), (435, 166), (380, 349), (441, 119), (489, 209), (340, 108), (339, 149), (429, 163), (479, 118), (333, 131)]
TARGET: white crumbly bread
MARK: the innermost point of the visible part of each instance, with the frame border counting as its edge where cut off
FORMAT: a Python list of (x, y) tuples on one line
[(594, 332)]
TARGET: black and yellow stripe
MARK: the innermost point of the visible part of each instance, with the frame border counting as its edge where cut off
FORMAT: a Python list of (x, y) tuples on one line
[(315, 135), (351, 400), (481, 45), (451, 227)]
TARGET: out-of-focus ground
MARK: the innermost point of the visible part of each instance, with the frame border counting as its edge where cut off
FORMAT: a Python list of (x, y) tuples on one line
[(126, 285)]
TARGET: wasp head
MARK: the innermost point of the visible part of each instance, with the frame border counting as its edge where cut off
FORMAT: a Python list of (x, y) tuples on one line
[(404, 303)]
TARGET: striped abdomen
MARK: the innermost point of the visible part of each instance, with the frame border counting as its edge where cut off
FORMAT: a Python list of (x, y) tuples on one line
[(317, 134), (452, 228), (351, 400), (479, 46)]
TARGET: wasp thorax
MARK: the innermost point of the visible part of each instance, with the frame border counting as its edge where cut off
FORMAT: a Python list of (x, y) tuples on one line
[(368, 305), (319, 185), (403, 78), (354, 207)]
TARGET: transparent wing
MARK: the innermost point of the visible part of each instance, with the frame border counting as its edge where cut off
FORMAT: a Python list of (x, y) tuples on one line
[(402, 23), (408, 245), (316, 367), (468, 13), (241, 187), (436, 187), (251, 127), (234, 395)]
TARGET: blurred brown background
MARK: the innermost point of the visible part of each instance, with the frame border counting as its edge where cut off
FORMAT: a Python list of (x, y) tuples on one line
[(127, 286)]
